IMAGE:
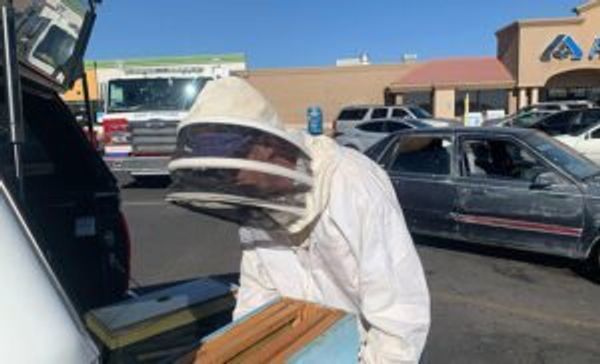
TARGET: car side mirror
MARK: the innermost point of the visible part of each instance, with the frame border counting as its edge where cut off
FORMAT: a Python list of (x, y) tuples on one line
[(544, 180)]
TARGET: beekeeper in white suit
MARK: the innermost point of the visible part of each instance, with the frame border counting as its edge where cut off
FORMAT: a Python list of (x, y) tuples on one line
[(319, 222)]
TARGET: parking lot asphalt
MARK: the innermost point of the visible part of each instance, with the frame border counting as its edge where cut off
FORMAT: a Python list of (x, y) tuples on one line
[(489, 305)]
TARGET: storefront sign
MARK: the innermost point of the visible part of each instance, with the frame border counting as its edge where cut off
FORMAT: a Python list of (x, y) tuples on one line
[(595, 51), (564, 47)]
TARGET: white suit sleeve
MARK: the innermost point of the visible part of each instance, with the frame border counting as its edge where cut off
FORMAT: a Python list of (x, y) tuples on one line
[(256, 287), (394, 298), (393, 291)]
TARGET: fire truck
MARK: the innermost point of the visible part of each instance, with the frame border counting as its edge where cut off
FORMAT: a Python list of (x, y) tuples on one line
[(142, 110)]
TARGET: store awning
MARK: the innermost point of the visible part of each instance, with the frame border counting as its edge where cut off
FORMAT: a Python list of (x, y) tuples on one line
[(461, 73)]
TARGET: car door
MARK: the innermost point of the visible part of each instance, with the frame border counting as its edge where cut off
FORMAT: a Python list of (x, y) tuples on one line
[(421, 169), (499, 203)]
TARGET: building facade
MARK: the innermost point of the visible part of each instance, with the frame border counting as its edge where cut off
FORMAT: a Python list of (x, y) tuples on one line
[(537, 60)]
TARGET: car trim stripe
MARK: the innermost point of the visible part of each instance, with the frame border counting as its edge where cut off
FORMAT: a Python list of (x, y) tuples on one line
[(519, 225)]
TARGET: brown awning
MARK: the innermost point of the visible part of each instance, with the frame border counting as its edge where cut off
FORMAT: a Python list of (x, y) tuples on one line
[(463, 73)]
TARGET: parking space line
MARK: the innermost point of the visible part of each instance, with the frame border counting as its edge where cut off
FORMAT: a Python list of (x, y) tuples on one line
[(522, 312)]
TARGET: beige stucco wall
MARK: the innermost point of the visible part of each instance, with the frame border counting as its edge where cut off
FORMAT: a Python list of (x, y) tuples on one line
[(535, 37), (292, 91), (443, 103), (508, 49)]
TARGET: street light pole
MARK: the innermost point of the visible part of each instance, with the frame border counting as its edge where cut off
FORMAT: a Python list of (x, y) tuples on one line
[(13, 88)]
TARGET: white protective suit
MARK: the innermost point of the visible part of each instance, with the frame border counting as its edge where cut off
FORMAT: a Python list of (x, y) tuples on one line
[(350, 250)]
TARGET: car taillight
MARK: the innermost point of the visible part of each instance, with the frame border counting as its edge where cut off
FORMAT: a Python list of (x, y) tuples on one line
[(116, 131)]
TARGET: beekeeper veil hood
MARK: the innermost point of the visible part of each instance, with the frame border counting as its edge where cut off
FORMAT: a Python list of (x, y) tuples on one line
[(234, 160)]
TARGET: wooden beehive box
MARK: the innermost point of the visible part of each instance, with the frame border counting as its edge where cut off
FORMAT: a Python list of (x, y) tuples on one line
[(285, 331)]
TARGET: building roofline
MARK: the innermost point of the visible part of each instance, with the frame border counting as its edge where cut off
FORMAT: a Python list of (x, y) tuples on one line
[(586, 6), (541, 22), (321, 69), (167, 61)]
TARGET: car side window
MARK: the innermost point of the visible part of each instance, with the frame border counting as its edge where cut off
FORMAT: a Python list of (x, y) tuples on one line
[(596, 134), (379, 113), (590, 117), (498, 159), (557, 124), (429, 155), (373, 127), (375, 151), (352, 114), (394, 126), (399, 113)]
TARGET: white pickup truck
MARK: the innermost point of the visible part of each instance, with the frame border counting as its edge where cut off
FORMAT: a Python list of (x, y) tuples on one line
[(64, 247)]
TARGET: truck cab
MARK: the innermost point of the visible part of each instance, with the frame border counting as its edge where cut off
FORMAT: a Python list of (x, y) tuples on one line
[(143, 110)]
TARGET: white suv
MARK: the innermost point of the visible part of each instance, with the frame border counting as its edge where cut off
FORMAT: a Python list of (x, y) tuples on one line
[(351, 116)]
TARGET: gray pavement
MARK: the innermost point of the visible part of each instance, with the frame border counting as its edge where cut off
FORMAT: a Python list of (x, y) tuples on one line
[(488, 305)]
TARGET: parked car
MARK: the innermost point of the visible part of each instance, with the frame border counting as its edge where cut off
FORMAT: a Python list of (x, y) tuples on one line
[(511, 187), (585, 142), (350, 116), (572, 122), (558, 106), (365, 134), (519, 120)]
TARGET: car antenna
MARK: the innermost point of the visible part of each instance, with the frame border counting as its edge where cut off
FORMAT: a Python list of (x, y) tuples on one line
[(13, 90)]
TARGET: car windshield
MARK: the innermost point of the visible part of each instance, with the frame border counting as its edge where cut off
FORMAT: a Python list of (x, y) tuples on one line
[(152, 94), (565, 157), (419, 112)]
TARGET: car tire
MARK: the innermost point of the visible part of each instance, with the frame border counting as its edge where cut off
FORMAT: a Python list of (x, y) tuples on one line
[(594, 260)]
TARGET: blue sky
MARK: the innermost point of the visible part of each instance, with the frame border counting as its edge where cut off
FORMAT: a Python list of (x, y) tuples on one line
[(287, 33)]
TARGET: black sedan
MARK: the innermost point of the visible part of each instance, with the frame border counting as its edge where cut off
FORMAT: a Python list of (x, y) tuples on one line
[(503, 186)]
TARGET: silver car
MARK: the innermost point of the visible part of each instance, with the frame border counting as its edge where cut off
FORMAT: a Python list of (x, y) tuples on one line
[(365, 134)]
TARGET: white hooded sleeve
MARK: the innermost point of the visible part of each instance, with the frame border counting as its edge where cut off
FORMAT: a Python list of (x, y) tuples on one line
[(256, 288), (393, 293)]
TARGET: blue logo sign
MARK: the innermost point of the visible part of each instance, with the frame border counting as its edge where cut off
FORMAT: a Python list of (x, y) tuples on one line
[(595, 51), (563, 47)]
